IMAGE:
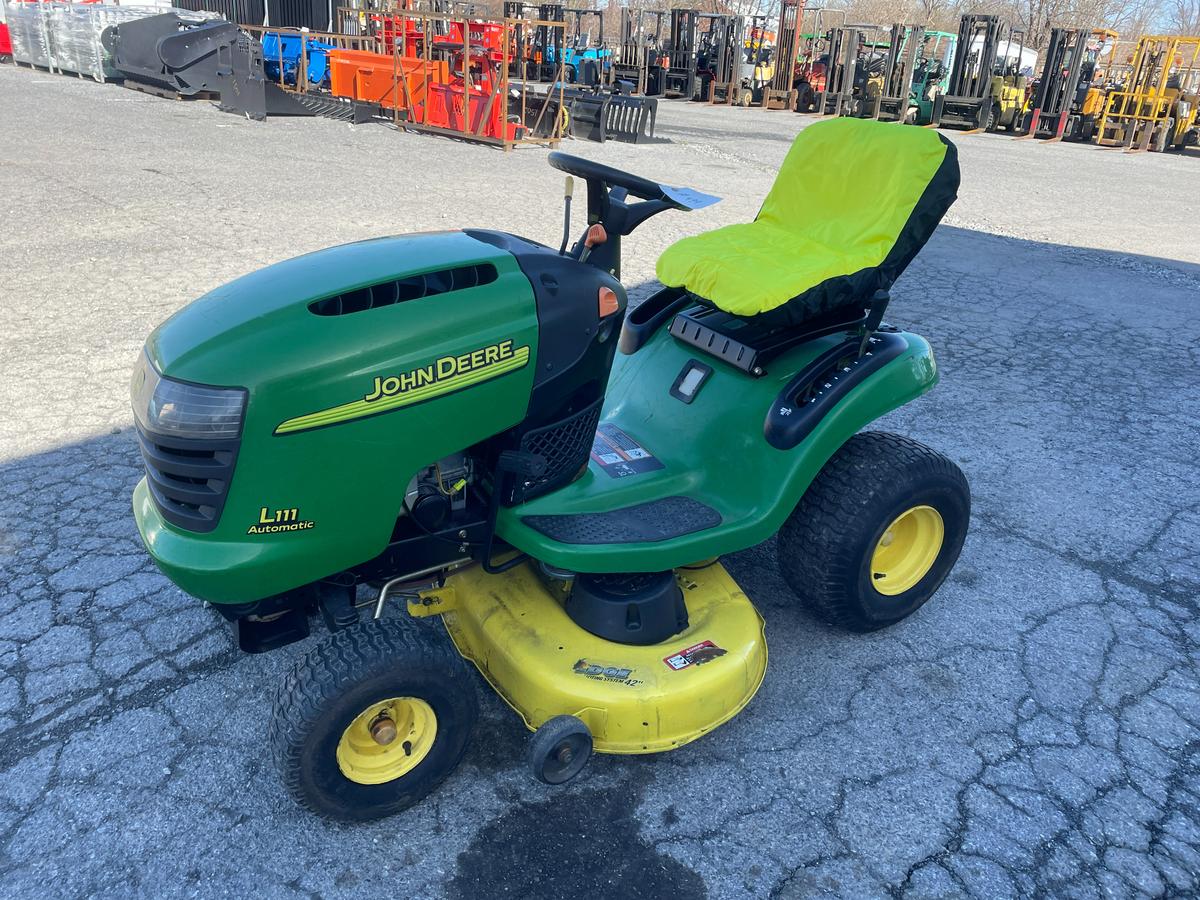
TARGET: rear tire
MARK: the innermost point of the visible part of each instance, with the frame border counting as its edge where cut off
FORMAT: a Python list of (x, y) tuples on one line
[(836, 549), (351, 678)]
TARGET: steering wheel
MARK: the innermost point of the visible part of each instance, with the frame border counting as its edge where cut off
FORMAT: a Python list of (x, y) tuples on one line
[(591, 171), (608, 193)]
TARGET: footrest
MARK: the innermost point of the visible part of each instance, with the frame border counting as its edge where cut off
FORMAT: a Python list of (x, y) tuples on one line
[(658, 520)]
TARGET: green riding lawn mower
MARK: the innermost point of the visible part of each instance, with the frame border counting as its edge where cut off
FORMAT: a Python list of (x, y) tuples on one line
[(475, 426)]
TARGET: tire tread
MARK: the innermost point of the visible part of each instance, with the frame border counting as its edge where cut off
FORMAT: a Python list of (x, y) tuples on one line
[(823, 520), (321, 674)]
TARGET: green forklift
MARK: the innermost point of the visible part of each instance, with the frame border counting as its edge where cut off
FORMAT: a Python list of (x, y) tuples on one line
[(932, 76), (475, 427)]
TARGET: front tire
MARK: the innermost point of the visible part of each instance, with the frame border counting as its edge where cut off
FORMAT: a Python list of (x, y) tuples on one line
[(991, 119), (371, 720), (806, 99), (876, 533)]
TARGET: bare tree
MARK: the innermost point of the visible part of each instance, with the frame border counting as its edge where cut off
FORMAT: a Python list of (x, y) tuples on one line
[(1184, 17)]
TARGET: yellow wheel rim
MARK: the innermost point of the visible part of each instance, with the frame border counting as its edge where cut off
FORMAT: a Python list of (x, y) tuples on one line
[(907, 550), (387, 740)]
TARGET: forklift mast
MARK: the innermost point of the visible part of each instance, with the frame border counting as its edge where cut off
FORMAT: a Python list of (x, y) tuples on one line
[(848, 59), (520, 61), (971, 74), (583, 39), (985, 90), (1056, 89), (781, 92), (681, 53), (639, 58), (900, 67), (719, 48)]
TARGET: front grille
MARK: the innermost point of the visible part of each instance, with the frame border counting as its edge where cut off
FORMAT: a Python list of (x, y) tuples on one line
[(188, 478), (565, 445)]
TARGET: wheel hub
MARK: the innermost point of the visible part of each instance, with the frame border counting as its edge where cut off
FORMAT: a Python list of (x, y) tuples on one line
[(907, 550), (387, 740), (383, 730)]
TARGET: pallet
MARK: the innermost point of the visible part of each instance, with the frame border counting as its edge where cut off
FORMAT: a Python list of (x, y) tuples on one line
[(34, 67)]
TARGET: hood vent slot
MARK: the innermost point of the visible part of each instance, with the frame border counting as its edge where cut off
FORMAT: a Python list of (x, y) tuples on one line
[(411, 287)]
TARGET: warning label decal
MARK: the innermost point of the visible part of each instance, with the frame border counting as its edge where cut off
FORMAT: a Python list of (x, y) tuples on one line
[(695, 655), (619, 455)]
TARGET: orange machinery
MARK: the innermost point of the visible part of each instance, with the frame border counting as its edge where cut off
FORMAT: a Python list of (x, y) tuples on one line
[(394, 82), (433, 92)]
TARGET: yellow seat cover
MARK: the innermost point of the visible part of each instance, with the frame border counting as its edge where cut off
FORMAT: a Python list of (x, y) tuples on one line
[(852, 204)]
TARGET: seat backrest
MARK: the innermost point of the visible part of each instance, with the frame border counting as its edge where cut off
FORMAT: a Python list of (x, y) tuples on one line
[(873, 191)]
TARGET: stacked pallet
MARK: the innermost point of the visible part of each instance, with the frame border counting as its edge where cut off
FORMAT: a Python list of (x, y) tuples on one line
[(65, 37)]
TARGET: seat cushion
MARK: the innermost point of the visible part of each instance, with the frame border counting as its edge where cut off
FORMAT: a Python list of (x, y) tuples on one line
[(853, 203)]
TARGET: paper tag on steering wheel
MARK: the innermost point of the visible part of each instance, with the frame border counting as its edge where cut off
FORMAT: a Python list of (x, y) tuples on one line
[(689, 198)]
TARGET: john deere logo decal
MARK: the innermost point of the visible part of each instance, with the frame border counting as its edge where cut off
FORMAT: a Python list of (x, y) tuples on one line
[(444, 375)]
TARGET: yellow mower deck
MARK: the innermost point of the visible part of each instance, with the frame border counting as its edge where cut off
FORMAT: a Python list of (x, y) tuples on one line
[(633, 699)]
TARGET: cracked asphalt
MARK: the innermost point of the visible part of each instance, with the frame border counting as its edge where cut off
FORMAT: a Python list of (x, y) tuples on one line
[(1032, 732)]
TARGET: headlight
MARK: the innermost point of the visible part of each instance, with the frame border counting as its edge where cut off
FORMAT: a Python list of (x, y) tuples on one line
[(171, 407)]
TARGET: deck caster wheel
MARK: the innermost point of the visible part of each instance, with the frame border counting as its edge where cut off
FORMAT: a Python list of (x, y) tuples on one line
[(876, 533), (560, 749), (371, 720)]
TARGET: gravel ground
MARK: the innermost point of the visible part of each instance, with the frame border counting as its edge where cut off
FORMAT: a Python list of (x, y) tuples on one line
[(1031, 731)]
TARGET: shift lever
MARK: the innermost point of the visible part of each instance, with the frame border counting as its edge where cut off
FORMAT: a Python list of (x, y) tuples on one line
[(570, 189)]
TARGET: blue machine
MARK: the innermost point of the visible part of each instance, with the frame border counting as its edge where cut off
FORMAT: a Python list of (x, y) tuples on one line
[(285, 49), (577, 69)]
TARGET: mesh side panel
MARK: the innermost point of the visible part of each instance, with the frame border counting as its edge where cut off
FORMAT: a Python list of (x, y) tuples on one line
[(565, 445)]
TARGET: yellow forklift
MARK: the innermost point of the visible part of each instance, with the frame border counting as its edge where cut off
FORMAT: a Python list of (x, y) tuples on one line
[(1156, 109), (988, 83)]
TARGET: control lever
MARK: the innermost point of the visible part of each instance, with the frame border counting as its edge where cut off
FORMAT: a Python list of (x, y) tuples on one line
[(595, 236), (874, 319), (570, 189)]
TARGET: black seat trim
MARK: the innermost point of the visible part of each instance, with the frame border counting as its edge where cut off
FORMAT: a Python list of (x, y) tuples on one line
[(750, 343)]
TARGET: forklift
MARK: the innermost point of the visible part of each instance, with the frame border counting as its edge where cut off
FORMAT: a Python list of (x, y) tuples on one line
[(987, 89), (932, 77), (757, 68), (1156, 109), (680, 79), (521, 62), (550, 42), (1067, 101), (893, 102), (780, 91), (719, 49), (640, 62), (812, 58), (588, 61), (853, 72)]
